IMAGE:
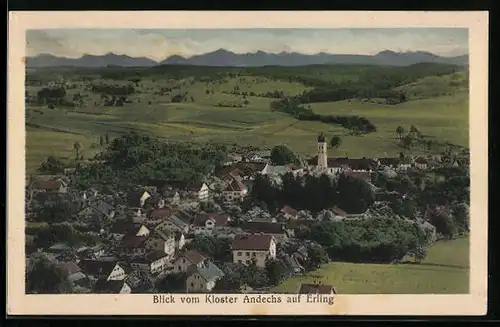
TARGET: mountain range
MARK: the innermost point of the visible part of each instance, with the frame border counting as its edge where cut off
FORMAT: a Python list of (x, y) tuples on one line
[(225, 58)]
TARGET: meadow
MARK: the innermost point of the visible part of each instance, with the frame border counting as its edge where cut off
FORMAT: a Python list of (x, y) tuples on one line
[(444, 271), (212, 113)]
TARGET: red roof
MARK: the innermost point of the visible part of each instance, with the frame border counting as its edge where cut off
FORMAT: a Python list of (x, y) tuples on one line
[(161, 213), (252, 242), (132, 241), (316, 289), (292, 166), (339, 212), (220, 219), (289, 210), (193, 256), (47, 185)]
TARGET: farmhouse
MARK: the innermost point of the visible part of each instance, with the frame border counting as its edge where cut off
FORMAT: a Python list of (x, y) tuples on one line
[(201, 278), (107, 268), (153, 262), (234, 192), (288, 212), (258, 248), (204, 223), (186, 259), (277, 230)]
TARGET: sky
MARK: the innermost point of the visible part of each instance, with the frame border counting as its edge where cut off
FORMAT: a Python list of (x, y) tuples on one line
[(158, 44)]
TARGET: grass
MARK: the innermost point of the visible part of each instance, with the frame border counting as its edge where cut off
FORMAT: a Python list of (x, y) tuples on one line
[(443, 118), (444, 271)]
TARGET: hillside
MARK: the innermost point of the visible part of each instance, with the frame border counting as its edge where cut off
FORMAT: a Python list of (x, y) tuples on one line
[(232, 105)]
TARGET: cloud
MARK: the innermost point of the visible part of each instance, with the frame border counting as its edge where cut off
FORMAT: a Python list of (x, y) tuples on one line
[(160, 43), (39, 41)]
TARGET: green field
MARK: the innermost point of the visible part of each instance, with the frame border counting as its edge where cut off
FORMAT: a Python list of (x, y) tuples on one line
[(442, 116), (444, 271)]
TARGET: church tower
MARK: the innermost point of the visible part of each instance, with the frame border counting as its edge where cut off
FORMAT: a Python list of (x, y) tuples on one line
[(322, 152)]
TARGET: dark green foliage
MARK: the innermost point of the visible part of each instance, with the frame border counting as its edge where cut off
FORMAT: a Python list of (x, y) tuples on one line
[(282, 155), (237, 275), (354, 195), (377, 240), (276, 271), (45, 278), (113, 89), (172, 283), (135, 159), (215, 248)]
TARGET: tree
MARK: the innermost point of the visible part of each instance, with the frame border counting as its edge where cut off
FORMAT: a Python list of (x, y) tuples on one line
[(276, 271), (282, 155), (461, 216), (77, 146), (407, 141), (44, 277), (317, 256), (354, 195), (414, 131), (400, 131), (443, 222), (101, 140), (107, 138), (335, 141)]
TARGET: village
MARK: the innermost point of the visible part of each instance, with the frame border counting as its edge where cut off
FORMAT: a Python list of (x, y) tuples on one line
[(174, 237)]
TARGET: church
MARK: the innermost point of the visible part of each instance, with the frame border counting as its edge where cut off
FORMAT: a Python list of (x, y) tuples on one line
[(322, 164)]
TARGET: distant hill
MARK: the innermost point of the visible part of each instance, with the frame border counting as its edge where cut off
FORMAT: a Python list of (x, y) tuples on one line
[(109, 59), (225, 58)]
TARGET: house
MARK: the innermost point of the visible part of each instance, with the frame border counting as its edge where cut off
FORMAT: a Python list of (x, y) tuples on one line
[(162, 241), (93, 252), (196, 190), (104, 267), (204, 223), (99, 209), (260, 156), (48, 186), (174, 223), (247, 170), (133, 244), (200, 190), (157, 215), (393, 163), (202, 278), (288, 212), (338, 212), (172, 197), (72, 273), (258, 248), (234, 192), (337, 165), (186, 259), (57, 249), (154, 262), (103, 286), (121, 227), (277, 230), (138, 199), (420, 163), (316, 288)]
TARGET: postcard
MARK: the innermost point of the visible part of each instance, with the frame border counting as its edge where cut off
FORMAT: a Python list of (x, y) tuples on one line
[(228, 163)]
